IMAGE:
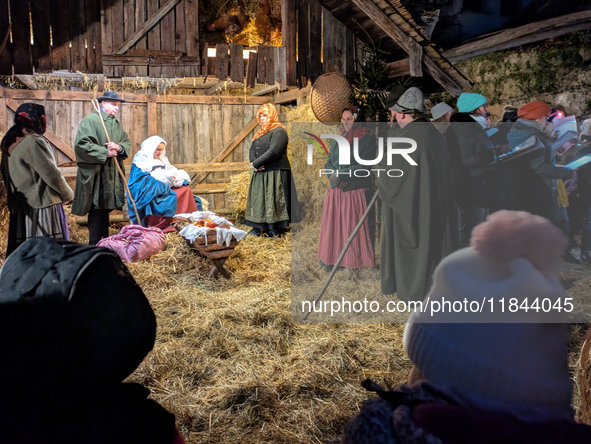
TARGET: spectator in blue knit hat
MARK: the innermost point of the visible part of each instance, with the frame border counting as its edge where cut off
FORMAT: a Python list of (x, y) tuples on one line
[(477, 106), (472, 161)]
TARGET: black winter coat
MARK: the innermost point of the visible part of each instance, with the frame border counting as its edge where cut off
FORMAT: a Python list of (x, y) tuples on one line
[(472, 160)]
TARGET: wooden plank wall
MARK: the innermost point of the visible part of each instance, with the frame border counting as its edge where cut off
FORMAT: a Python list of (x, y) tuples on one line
[(194, 132), (337, 51), (75, 34), (66, 35)]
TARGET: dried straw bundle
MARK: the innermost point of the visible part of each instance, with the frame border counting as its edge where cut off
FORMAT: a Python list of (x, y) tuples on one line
[(584, 381), (237, 193)]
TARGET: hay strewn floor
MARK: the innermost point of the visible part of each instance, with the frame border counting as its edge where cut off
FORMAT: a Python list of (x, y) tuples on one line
[(233, 368)]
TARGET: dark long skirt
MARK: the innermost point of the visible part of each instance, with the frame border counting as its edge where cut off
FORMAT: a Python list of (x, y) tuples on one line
[(271, 201), (49, 221)]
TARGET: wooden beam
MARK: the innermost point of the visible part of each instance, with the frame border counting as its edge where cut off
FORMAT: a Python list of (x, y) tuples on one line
[(532, 32), (191, 168), (415, 58), (27, 81), (23, 94), (213, 167), (399, 68), (228, 149), (402, 40), (209, 188), (266, 90), (147, 25), (133, 60), (49, 135), (223, 85), (153, 53), (292, 95)]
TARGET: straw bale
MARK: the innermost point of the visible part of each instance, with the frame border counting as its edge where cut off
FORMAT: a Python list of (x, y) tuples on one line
[(311, 190)]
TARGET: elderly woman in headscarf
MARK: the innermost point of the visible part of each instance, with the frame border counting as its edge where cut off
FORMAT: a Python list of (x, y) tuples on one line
[(35, 186), (347, 199), (268, 207), (157, 187)]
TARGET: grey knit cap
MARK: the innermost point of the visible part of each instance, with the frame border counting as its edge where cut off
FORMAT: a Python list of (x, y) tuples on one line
[(411, 101), (440, 110)]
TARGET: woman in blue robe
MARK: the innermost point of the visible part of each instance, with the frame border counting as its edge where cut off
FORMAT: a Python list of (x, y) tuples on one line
[(151, 195)]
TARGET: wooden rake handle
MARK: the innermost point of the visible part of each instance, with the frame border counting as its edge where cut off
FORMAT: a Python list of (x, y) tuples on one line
[(97, 108)]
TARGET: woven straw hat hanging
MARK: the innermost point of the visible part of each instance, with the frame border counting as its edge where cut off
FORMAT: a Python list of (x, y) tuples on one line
[(331, 92)]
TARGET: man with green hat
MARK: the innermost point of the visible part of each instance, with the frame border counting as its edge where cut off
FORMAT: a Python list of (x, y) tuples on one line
[(99, 188), (419, 224)]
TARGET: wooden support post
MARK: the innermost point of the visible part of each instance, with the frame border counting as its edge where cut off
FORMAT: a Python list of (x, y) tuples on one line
[(236, 63), (192, 31), (221, 62), (303, 37), (3, 113), (415, 58), (152, 117), (251, 70), (261, 64), (270, 66), (288, 39), (106, 41), (205, 62), (281, 67), (315, 50)]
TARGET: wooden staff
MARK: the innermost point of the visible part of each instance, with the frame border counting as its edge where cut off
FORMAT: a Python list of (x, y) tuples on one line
[(97, 108), (339, 260)]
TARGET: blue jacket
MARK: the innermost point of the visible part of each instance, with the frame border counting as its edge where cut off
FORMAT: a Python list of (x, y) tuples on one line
[(151, 196)]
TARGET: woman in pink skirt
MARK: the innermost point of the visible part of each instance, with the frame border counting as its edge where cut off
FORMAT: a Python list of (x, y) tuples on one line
[(346, 201)]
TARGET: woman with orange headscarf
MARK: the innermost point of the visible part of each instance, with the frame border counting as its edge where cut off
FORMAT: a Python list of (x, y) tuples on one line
[(268, 208)]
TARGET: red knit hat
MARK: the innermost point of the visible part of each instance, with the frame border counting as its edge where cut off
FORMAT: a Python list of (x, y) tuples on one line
[(534, 110)]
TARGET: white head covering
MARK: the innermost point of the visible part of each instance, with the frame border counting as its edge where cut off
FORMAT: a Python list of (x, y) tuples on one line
[(144, 158), (145, 161)]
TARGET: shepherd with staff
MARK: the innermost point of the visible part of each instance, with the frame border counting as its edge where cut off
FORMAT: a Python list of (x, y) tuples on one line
[(99, 186)]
